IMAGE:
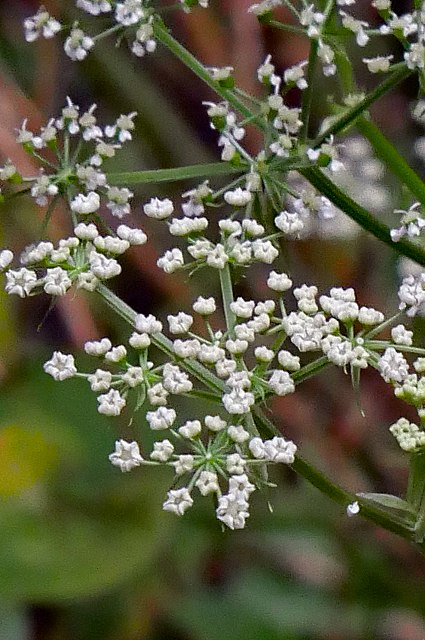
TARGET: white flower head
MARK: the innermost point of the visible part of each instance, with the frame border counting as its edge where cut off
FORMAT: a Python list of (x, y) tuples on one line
[(61, 366), (126, 455)]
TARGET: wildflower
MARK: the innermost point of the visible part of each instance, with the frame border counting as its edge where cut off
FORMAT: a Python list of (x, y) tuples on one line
[(98, 347), (6, 258), (118, 201), (232, 510), (100, 380), (20, 282), (353, 509), (56, 282), (158, 209), (85, 204), (162, 418), (207, 482), (162, 451), (111, 403), (61, 366), (41, 24), (379, 64), (178, 501), (126, 455), (78, 44)]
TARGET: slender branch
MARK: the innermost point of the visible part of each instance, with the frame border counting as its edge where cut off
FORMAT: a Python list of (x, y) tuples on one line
[(366, 220), (174, 174)]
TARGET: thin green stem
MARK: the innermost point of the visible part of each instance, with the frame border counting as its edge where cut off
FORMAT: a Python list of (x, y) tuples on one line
[(307, 96), (400, 73), (387, 152), (174, 174), (227, 296), (364, 218)]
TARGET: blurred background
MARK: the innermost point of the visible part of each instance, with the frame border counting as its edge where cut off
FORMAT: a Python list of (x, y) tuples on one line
[(86, 553)]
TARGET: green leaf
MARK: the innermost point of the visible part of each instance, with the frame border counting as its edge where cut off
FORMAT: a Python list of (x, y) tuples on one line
[(390, 502)]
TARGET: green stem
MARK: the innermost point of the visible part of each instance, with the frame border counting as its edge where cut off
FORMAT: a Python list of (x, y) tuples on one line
[(227, 296), (366, 220), (174, 174), (401, 73), (307, 96), (387, 152)]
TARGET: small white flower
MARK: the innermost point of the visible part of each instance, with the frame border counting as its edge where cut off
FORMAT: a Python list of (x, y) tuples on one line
[(118, 201), (180, 323), (20, 282), (393, 366), (98, 347), (158, 209), (238, 433), (6, 258), (238, 198), (217, 257), (56, 282), (86, 231), (207, 482), (242, 308), (139, 340), (161, 418), (190, 429), (116, 354), (215, 423), (129, 12), (111, 403), (235, 464), (353, 509), (178, 501), (176, 381), (263, 354), (162, 451), (281, 383), (232, 510), (157, 395), (133, 376), (102, 267), (183, 464), (264, 251), (85, 204), (204, 306), (379, 64), (100, 380), (147, 324), (279, 281), (133, 236), (61, 366), (400, 335), (171, 261), (41, 24), (126, 455), (78, 44), (288, 361), (369, 316)]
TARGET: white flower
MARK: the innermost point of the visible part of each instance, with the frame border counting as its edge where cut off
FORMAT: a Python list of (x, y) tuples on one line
[(157, 395), (204, 306), (400, 335), (139, 340), (133, 376), (281, 383), (369, 316), (85, 204), (180, 323), (210, 354), (238, 198), (161, 418), (118, 201), (103, 267), (100, 380), (353, 509), (183, 464), (238, 433), (56, 282), (20, 282), (162, 451), (111, 403), (241, 486), (158, 209), (190, 429), (61, 366), (238, 401), (41, 24), (126, 455), (6, 258), (171, 261), (279, 281), (288, 361), (217, 257), (280, 450), (147, 324), (412, 293), (379, 64), (94, 7), (393, 366), (86, 231), (111, 244), (78, 44), (186, 348), (235, 464), (87, 281), (232, 510), (133, 236), (215, 423), (98, 347), (263, 354), (236, 347), (178, 501), (116, 354), (187, 226), (264, 251), (176, 381), (129, 12), (207, 482), (242, 308)]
